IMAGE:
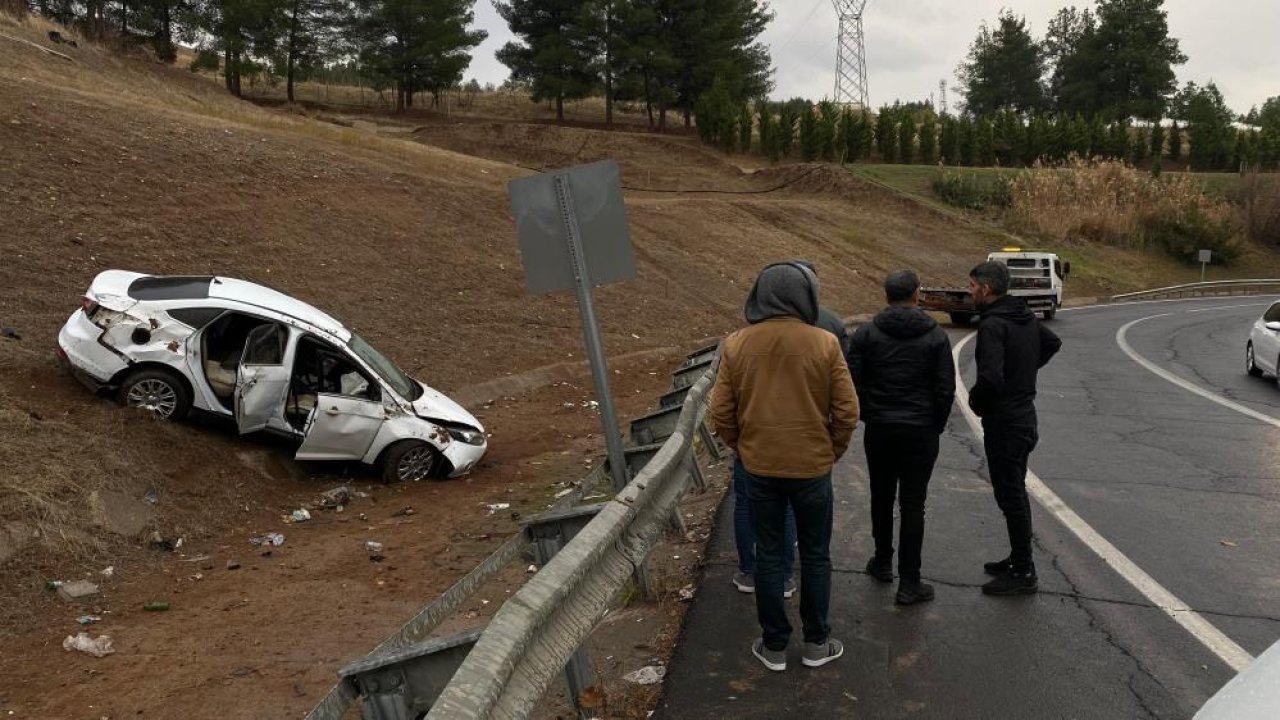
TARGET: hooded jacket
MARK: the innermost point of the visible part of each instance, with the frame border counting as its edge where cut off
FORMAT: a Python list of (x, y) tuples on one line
[(783, 398), (1012, 347), (901, 364), (831, 322)]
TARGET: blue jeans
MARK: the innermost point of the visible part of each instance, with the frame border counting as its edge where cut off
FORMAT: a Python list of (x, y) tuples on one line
[(745, 538)]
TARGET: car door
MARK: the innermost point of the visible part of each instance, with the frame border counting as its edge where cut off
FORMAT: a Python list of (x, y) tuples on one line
[(1266, 343), (346, 420), (263, 378)]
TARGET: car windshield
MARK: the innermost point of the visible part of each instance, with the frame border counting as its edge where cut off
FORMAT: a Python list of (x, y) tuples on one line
[(381, 364)]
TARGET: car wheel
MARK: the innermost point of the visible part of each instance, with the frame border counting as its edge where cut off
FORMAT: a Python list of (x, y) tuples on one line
[(410, 461), (1250, 366), (160, 392), (1051, 313)]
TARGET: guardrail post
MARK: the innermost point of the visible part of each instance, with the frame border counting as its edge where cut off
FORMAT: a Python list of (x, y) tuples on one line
[(550, 532), (404, 683)]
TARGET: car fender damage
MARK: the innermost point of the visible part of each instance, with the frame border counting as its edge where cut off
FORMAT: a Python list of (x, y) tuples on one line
[(142, 336)]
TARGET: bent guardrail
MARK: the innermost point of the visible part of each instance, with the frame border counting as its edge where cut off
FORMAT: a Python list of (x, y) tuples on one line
[(1204, 289), (533, 635)]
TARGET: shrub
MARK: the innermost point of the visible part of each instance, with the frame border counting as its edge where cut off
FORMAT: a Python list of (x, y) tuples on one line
[(972, 191), (1258, 197)]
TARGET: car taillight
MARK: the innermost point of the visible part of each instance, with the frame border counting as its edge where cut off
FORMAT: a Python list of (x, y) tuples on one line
[(89, 304)]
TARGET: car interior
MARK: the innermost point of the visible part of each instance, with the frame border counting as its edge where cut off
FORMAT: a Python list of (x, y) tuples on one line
[(222, 346), (320, 368)]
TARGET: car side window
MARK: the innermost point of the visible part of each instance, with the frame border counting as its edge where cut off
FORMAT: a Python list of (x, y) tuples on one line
[(1273, 313), (265, 345), (196, 318)]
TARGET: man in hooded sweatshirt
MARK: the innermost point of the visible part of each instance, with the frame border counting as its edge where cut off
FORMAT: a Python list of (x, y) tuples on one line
[(901, 364), (784, 402), (1012, 347)]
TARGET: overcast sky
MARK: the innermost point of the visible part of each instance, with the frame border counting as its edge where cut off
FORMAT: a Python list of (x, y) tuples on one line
[(912, 44)]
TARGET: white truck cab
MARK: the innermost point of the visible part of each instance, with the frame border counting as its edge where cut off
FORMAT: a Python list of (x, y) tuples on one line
[(1037, 277)]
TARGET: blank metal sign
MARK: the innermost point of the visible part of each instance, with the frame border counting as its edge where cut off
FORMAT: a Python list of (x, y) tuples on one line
[(596, 190)]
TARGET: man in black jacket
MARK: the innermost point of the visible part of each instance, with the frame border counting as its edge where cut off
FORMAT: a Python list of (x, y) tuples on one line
[(1012, 347), (906, 382)]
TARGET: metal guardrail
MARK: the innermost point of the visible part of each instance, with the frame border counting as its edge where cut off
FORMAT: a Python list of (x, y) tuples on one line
[(533, 635), (1204, 289)]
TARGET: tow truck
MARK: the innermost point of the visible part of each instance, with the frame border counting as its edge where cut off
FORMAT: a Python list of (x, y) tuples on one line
[(1036, 277)]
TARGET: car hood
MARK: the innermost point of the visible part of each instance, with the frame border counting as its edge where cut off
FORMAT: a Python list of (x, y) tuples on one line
[(435, 405)]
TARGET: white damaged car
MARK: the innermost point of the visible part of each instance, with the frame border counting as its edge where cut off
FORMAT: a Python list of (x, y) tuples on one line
[(233, 348)]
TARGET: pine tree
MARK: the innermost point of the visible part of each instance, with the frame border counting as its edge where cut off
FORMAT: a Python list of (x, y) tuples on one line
[(1157, 141), (1175, 142), (847, 137), (1118, 141), (744, 129), (886, 135), (810, 141), (928, 138), (985, 142), (1036, 143), (906, 138), (1141, 146), (556, 52), (1098, 139), (1081, 137), (786, 130), (949, 140), (968, 142), (828, 128)]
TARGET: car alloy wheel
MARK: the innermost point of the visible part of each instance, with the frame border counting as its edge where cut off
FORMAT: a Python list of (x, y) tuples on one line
[(416, 464), (155, 396), (1250, 364)]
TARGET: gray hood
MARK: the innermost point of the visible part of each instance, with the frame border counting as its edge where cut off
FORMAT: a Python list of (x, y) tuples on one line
[(784, 290)]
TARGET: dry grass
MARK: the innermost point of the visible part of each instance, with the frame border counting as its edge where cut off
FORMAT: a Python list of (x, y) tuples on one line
[(1258, 197), (1114, 204)]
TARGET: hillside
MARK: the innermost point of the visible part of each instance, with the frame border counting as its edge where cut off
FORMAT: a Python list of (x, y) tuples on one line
[(118, 162)]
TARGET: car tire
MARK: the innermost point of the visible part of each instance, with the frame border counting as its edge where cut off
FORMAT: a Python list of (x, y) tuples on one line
[(163, 393), (410, 461), (960, 318), (1051, 313), (1250, 366)]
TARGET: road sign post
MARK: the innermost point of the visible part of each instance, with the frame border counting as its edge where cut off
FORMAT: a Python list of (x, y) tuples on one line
[(1206, 257), (572, 227)]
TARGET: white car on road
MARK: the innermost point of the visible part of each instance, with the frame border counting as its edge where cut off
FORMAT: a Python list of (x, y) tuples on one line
[(273, 363), (1262, 353)]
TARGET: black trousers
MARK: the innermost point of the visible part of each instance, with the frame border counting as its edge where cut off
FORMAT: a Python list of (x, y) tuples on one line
[(1009, 445), (813, 505), (900, 460)]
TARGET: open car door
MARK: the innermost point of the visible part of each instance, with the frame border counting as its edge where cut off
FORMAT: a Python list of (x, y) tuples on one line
[(263, 379), (341, 428)]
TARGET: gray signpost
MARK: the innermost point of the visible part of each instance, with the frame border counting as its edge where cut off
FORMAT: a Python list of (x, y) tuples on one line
[(1206, 257), (572, 229)]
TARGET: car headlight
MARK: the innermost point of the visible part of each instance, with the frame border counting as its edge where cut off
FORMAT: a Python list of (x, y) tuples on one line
[(467, 435)]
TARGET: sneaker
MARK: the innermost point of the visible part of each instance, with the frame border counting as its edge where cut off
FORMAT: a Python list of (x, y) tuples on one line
[(744, 582), (821, 653), (775, 660), (1012, 583), (881, 570), (997, 567), (789, 588), (910, 593)]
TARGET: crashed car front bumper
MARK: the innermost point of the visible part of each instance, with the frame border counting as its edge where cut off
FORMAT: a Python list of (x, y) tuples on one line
[(463, 457)]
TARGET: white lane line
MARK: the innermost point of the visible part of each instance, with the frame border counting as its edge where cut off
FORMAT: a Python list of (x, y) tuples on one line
[(1202, 630), (1123, 341)]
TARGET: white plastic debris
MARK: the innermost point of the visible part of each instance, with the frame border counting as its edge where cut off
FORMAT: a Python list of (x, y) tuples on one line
[(532, 569), (108, 571), (97, 647), (647, 675), (301, 515), (686, 593), (496, 507), (273, 538)]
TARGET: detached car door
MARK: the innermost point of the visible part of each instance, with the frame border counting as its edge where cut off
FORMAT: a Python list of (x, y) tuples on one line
[(347, 418), (263, 379)]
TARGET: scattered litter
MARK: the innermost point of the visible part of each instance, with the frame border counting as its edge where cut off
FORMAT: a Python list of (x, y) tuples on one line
[(686, 593), (11, 333), (851, 697), (197, 577), (403, 512), (564, 492), (159, 542), (97, 647), (375, 551), (532, 569), (300, 515), (363, 517), (198, 558), (77, 590), (361, 494), (157, 606), (637, 337), (495, 507), (89, 619), (233, 565), (272, 538), (647, 675), (151, 497), (568, 405), (108, 571), (675, 557), (53, 585), (335, 497), (1228, 543), (177, 543)]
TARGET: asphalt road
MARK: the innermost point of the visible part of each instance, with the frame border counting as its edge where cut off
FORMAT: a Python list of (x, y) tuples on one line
[(1187, 489)]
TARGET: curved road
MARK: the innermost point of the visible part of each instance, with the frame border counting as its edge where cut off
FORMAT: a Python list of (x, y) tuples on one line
[(1172, 456)]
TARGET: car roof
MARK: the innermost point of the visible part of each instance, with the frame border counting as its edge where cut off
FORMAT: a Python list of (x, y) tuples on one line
[(177, 288)]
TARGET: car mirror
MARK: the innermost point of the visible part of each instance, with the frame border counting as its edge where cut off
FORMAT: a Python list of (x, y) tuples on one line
[(1066, 269), (1273, 326)]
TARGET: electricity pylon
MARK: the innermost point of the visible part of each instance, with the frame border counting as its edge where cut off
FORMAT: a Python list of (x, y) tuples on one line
[(851, 55)]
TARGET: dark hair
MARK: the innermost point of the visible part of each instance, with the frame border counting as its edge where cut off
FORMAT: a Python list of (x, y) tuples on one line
[(900, 286), (994, 275)]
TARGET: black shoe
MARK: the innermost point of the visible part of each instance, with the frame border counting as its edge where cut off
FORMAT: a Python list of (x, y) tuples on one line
[(881, 570), (912, 592), (1012, 583), (997, 568)]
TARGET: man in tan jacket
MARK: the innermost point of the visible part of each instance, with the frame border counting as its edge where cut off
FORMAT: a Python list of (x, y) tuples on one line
[(785, 403)]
